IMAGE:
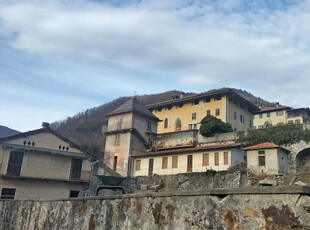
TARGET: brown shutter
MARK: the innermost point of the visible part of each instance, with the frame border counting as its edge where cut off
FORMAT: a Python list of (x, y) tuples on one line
[(165, 163), (174, 161), (138, 165), (216, 158), (205, 159), (261, 160), (225, 158)]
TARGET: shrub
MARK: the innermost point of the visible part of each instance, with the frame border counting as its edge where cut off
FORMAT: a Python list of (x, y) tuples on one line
[(211, 125)]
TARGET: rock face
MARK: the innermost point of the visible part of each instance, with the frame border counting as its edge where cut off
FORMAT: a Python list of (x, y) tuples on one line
[(257, 209)]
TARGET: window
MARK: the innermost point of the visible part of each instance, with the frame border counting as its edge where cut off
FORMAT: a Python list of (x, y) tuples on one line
[(180, 105), (217, 112), (76, 169), (205, 159), (254, 127), (8, 193), (119, 123), (208, 99), (268, 114), (116, 141), (169, 107), (261, 158), (115, 163), (178, 125), (159, 109), (149, 126), (189, 163), (216, 158), (174, 161), (196, 102), (15, 163), (208, 112), (260, 115), (279, 113), (235, 115), (218, 98), (166, 123), (151, 166), (138, 165), (241, 118), (241, 106), (261, 126), (251, 123), (290, 122), (297, 121), (74, 194), (165, 163), (225, 158), (193, 116)]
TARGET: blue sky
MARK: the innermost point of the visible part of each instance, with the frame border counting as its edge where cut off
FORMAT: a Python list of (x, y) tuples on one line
[(59, 58)]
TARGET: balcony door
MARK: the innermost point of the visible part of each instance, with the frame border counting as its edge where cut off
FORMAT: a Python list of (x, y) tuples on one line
[(189, 163), (76, 168), (151, 165), (15, 163)]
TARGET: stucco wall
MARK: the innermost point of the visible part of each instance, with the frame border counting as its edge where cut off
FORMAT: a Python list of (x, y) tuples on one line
[(125, 124), (271, 161), (273, 119), (235, 122), (190, 211)]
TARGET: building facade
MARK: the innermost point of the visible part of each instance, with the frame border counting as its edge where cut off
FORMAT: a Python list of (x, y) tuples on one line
[(41, 164), (186, 113)]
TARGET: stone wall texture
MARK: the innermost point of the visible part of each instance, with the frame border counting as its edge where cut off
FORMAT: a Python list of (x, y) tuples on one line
[(162, 211)]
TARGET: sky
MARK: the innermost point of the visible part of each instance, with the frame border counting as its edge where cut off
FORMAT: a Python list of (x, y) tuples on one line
[(58, 58)]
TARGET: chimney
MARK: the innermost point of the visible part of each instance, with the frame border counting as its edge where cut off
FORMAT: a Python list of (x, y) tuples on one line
[(181, 95), (45, 124), (260, 107), (277, 104)]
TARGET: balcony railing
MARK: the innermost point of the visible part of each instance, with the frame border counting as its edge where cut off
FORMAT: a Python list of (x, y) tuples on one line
[(44, 172)]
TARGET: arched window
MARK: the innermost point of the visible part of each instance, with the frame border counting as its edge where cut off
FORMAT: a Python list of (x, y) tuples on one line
[(178, 125), (166, 123)]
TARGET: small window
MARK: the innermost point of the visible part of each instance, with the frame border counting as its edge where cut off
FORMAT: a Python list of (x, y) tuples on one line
[(180, 105), (216, 158), (217, 112), (260, 115), (241, 118), (149, 126), (196, 102), (166, 123), (208, 99), (279, 113), (74, 194), (261, 158), (8, 193), (290, 122), (297, 121), (138, 165), (251, 123), (169, 107), (159, 109), (174, 161), (225, 158), (116, 141), (208, 112), (119, 123), (115, 163), (165, 163), (205, 159), (241, 106), (235, 115), (218, 98), (193, 116), (268, 114)]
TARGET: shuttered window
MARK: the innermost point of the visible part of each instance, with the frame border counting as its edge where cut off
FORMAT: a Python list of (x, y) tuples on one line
[(225, 158), (261, 158), (174, 161), (205, 159), (165, 163), (138, 165), (216, 158)]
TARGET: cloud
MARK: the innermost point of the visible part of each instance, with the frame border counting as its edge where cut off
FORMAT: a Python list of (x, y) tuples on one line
[(111, 48)]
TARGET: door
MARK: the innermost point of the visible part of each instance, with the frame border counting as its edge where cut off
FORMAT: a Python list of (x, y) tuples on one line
[(189, 163), (15, 163), (76, 168), (151, 164)]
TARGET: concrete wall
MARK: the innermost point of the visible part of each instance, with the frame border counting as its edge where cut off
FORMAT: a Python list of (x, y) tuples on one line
[(163, 211), (40, 189)]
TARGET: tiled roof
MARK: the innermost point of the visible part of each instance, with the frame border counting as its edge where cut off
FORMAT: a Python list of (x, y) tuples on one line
[(133, 105), (266, 145), (188, 149), (269, 109)]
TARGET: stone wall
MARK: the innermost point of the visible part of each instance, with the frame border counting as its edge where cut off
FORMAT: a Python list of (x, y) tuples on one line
[(259, 208)]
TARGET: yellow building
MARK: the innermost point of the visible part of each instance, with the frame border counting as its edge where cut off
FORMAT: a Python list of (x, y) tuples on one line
[(41, 164), (185, 113), (270, 116)]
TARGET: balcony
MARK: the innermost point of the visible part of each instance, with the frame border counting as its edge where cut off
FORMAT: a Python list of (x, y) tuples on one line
[(176, 139)]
